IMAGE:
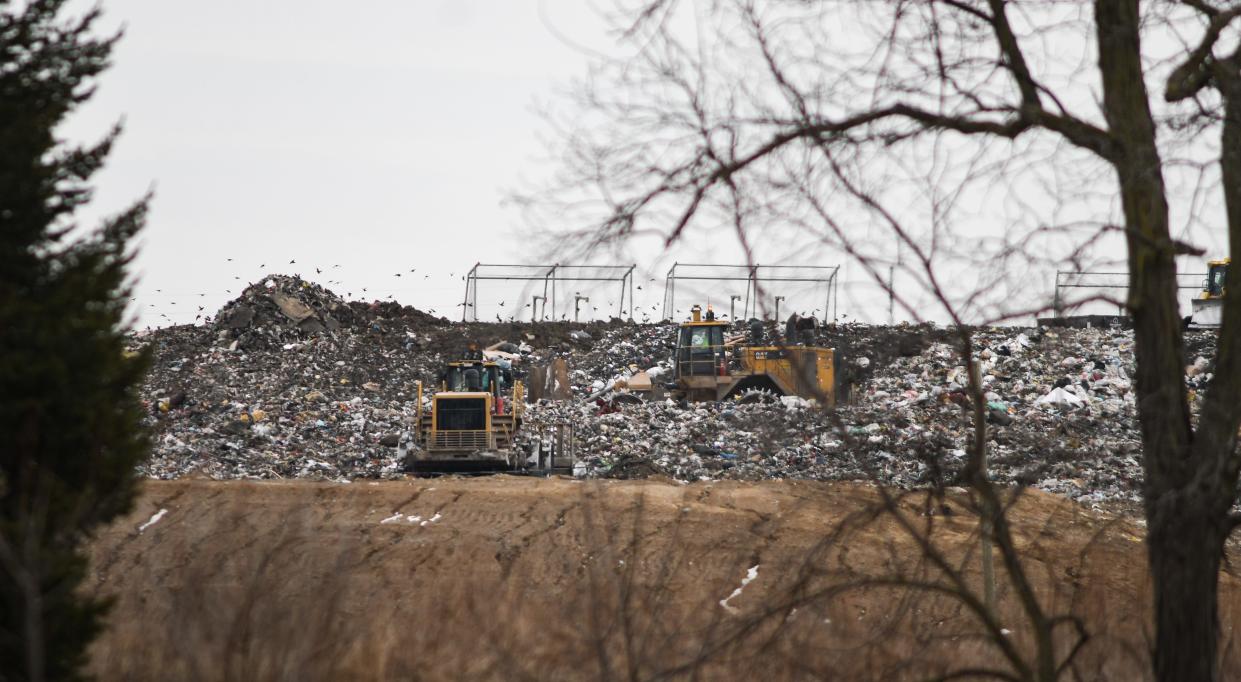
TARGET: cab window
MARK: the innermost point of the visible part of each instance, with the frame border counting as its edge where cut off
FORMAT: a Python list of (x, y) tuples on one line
[(1217, 278)]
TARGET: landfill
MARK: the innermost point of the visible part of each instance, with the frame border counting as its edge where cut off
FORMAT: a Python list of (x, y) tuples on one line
[(291, 381)]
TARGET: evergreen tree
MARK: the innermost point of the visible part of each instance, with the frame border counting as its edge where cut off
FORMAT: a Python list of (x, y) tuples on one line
[(70, 416)]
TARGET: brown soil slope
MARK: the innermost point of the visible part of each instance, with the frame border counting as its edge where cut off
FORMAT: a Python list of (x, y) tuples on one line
[(514, 578)]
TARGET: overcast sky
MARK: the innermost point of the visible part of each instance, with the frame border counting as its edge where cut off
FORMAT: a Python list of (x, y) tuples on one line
[(359, 139), (377, 136)]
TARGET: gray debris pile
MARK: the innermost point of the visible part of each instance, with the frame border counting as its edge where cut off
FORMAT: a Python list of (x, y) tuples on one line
[(1060, 412), (619, 351), (323, 407), (289, 380), (279, 310)]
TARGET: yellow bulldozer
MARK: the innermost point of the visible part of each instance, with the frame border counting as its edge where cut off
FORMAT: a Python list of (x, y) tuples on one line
[(709, 364), (471, 423), (1206, 309)]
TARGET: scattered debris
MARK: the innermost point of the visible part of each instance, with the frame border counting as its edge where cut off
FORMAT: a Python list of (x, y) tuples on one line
[(750, 575), (153, 520)]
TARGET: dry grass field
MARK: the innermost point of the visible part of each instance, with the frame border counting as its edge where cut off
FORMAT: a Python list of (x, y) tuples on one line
[(551, 579)]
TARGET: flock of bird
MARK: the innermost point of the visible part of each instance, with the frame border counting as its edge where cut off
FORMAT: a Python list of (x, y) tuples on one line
[(647, 313), (411, 274)]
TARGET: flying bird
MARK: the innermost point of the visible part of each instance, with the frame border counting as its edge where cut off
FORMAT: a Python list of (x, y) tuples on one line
[(318, 271), (292, 262)]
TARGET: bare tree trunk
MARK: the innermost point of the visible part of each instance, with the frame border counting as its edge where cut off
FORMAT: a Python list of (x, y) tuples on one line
[(1189, 523), (1185, 544), (1184, 521)]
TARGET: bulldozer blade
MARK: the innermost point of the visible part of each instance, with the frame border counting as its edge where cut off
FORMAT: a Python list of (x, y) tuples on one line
[(456, 466)]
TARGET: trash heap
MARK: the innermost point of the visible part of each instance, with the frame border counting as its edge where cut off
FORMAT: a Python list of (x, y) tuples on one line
[(290, 380), (1060, 416), (277, 311)]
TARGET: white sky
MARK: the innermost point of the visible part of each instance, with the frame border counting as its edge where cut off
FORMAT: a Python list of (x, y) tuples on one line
[(380, 136), (374, 136)]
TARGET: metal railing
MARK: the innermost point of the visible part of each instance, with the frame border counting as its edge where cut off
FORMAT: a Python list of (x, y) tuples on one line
[(755, 276), (1113, 280), (551, 275)]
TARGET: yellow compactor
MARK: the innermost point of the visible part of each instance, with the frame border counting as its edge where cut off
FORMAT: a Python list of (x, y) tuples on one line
[(709, 365)]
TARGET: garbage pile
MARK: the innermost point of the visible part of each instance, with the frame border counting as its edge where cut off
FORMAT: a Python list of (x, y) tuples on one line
[(280, 310), (1060, 416), (290, 380)]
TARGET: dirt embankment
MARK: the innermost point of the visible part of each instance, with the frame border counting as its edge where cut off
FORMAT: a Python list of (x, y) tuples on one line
[(518, 578)]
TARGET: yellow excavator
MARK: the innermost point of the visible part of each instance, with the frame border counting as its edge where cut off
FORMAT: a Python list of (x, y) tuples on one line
[(471, 423), (1205, 311), (709, 364)]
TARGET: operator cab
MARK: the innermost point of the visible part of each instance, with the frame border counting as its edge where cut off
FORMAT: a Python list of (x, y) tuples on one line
[(700, 345), (1217, 273), (478, 377)]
